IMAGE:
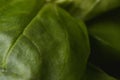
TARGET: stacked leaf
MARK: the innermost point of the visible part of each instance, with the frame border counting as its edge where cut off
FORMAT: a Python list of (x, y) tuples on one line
[(87, 9), (40, 40), (46, 44), (105, 37)]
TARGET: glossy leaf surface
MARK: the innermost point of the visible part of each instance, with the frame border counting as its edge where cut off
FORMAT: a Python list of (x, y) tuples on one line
[(45, 44)]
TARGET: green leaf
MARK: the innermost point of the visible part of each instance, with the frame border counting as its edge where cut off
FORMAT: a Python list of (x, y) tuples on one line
[(105, 41), (67, 55), (102, 6), (95, 73), (87, 9), (14, 61), (44, 45), (105, 30)]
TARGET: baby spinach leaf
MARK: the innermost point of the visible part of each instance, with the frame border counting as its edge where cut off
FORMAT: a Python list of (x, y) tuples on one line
[(14, 16), (87, 9), (102, 6), (95, 73), (44, 45), (67, 48), (105, 43)]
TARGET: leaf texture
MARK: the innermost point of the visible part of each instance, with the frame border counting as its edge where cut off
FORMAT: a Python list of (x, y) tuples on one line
[(41, 44)]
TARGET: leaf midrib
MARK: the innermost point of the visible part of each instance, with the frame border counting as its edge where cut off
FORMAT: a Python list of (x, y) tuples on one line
[(5, 58)]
